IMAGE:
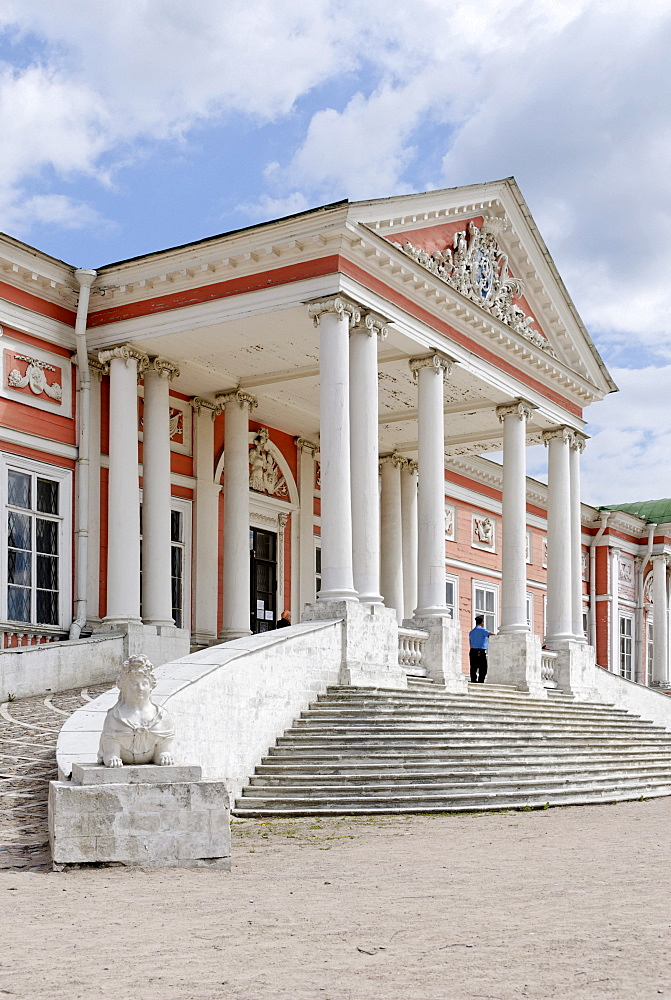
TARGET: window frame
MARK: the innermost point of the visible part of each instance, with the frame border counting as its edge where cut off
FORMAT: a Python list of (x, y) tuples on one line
[(492, 588), (454, 607), (628, 674), (63, 477), (185, 507)]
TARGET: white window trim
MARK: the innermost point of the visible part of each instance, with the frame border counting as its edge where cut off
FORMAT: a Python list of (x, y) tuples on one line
[(628, 616), (186, 509), (530, 611), (65, 538), (454, 580), (482, 585)]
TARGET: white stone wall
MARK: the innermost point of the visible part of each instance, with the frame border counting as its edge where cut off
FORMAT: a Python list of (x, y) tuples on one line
[(57, 666), (230, 702)]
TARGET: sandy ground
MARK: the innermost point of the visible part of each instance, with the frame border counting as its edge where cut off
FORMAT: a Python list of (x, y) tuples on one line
[(563, 903)]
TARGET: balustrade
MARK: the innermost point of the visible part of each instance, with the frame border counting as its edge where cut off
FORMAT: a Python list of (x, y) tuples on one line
[(411, 643)]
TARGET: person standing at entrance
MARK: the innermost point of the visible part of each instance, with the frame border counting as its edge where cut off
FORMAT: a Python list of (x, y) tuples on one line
[(478, 639)]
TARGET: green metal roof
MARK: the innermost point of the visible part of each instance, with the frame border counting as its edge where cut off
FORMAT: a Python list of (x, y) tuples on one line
[(652, 511)]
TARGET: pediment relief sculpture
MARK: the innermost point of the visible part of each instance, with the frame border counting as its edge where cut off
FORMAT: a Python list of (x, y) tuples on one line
[(477, 267), (265, 475)]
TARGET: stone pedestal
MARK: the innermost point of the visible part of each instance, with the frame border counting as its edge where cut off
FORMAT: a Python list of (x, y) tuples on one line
[(516, 658), (161, 643), (369, 642), (442, 651), (145, 816), (575, 669)]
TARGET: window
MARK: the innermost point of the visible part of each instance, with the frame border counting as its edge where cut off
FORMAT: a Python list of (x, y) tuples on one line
[(318, 568), (36, 554), (585, 625), (451, 591), (530, 611), (485, 602), (649, 647), (626, 622), (180, 560)]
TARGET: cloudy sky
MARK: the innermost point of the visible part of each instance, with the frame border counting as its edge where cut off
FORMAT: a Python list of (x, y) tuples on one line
[(132, 125)]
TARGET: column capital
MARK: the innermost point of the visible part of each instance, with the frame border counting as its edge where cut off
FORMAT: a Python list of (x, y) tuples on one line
[(435, 361), (411, 466), (519, 407), (198, 403), (239, 395), (396, 460), (562, 433), (658, 558), (372, 324), (578, 441), (127, 352), (308, 446), (338, 304), (97, 368), (163, 368)]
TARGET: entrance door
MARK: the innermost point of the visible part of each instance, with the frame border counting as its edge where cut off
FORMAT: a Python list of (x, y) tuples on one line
[(263, 578)]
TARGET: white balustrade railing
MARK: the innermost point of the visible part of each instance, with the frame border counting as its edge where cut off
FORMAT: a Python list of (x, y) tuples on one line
[(411, 650), (548, 657), (18, 637)]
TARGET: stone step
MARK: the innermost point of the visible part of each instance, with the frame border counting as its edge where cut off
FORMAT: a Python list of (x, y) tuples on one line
[(465, 704), (469, 738), (470, 802), (303, 776), (523, 702), (447, 789), (428, 763), (316, 722)]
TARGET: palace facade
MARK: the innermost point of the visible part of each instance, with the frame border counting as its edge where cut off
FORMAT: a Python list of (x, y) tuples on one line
[(196, 440)]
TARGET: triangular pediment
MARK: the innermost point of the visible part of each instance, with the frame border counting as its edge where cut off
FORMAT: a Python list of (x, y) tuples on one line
[(480, 241)]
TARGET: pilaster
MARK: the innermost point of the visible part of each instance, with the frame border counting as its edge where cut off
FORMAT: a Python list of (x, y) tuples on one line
[(206, 524), (307, 452)]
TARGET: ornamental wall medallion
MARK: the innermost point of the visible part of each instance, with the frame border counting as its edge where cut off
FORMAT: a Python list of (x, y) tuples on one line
[(477, 267), (36, 377), (265, 475), (483, 533)]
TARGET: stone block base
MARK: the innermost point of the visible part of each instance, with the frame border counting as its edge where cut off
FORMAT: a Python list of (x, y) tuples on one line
[(161, 643), (370, 642), (166, 820), (574, 669), (516, 658), (442, 651)]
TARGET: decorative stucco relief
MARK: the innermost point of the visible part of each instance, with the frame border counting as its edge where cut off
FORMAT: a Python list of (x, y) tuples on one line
[(265, 475), (450, 523), (477, 267), (36, 377), (625, 577), (484, 533)]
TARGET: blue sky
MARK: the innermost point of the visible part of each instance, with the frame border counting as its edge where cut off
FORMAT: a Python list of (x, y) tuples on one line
[(139, 124)]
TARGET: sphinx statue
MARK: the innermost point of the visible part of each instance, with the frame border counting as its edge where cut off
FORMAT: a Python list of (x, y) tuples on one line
[(136, 731)]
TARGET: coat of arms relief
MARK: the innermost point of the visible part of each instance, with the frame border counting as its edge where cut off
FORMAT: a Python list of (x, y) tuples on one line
[(265, 475), (477, 267)]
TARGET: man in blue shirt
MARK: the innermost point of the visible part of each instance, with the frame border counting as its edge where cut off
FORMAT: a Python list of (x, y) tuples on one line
[(478, 639)]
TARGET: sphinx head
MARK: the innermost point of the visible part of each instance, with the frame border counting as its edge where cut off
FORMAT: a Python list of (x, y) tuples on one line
[(136, 680)]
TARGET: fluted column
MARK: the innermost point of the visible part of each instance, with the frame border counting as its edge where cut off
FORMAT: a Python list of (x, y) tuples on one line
[(364, 457), (409, 536), (333, 317), (429, 372), (123, 532), (156, 560), (206, 525), (514, 417), (559, 604), (576, 449), (660, 634), (391, 561), (307, 450), (237, 406)]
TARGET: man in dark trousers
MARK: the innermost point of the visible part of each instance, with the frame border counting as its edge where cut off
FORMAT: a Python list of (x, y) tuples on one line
[(478, 639)]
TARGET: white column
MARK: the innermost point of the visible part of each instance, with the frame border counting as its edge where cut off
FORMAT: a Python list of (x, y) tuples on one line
[(156, 493), (391, 561), (660, 633), (577, 448), (514, 417), (307, 451), (429, 371), (93, 562), (123, 533), (409, 536), (559, 624), (364, 457), (206, 525), (333, 316), (237, 406)]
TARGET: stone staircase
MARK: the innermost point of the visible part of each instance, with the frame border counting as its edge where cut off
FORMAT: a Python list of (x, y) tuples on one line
[(366, 751)]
